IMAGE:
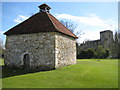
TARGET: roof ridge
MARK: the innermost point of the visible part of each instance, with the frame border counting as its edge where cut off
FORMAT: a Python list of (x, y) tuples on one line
[(51, 20)]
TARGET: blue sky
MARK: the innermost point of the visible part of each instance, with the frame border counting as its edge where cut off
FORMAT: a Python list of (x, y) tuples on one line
[(90, 17)]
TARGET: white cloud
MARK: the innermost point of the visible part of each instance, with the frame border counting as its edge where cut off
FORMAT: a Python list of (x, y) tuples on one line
[(91, 20), (20, 18)]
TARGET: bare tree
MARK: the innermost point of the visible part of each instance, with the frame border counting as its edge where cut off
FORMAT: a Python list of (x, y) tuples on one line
[(69, 25), (72, 27)]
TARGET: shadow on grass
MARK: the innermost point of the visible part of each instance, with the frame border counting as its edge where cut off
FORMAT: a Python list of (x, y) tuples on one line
[(8, 72)]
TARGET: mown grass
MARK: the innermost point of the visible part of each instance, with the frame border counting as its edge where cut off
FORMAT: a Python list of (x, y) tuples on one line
[(87, 73)]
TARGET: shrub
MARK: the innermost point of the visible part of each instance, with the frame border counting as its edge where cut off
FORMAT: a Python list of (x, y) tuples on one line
[(100, 52), (86, 54)]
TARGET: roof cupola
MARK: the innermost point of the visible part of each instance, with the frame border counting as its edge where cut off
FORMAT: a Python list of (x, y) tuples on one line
[(44, 8)]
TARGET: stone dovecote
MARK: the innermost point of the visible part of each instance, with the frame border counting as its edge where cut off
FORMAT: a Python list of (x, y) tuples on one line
[(40, 42)]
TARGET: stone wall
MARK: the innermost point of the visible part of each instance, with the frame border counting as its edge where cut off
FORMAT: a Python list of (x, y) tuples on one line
[(65, 48), (39, 47), (46, 51)]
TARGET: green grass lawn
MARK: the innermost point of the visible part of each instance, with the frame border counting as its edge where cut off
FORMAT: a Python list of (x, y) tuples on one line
[(87, 73)]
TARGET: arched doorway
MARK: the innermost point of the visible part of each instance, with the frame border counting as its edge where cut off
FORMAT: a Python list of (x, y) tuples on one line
[(26, 61)]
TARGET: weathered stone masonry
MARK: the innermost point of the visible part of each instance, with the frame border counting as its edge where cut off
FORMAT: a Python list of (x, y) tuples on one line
[(39, 46), (65, 48), (46, 50)]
